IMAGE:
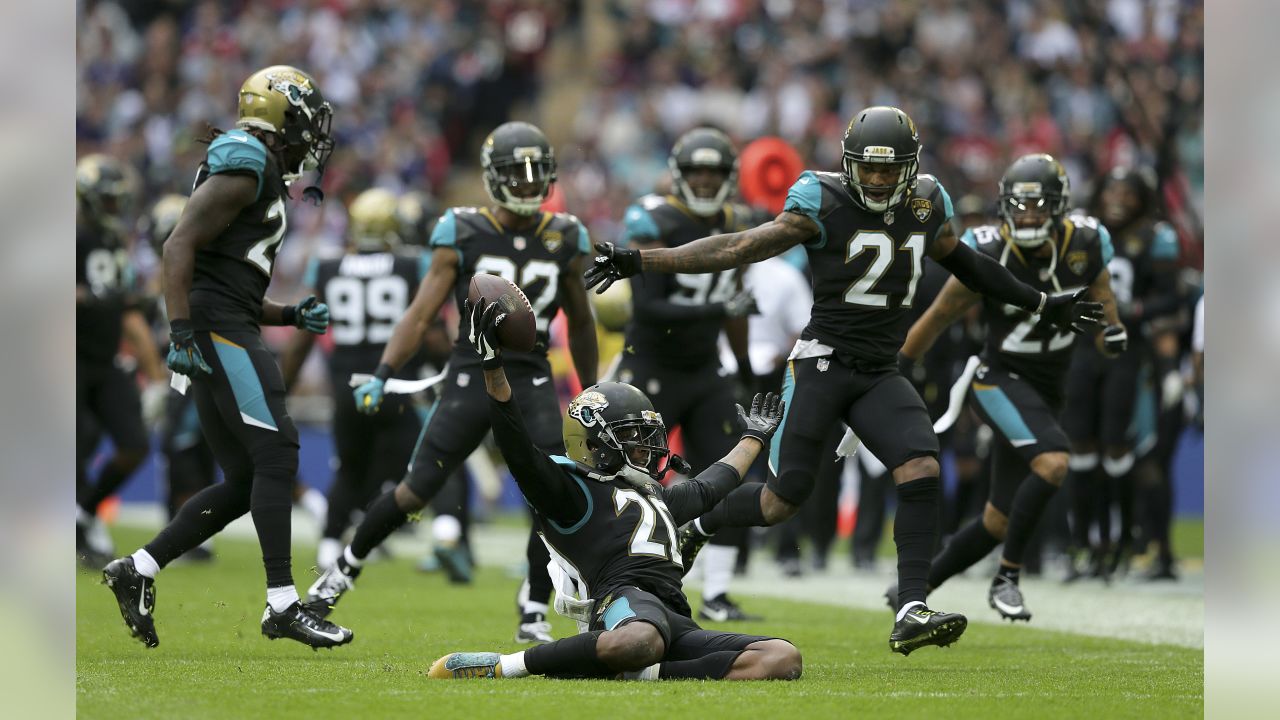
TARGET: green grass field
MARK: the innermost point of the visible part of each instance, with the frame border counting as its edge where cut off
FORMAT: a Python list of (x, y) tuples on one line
[(212, 661)]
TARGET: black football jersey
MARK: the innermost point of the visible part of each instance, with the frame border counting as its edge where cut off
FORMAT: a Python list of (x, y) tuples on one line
[(1142, 273), (1020, 342), (626, 537), (232, 272), (103, 269), (536, 259), (866, 266), (367, 294), (690, 341)]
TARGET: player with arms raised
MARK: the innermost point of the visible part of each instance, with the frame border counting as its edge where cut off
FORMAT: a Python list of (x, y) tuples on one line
[(867, 231), (603, 510), (541, 252), (1018, 390), (217, 265)]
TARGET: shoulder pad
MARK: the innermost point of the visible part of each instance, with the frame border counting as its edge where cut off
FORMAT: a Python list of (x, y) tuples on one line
[(931, 188), (445, 232), (237, 151), (1091, 230), (574, 231), (805, 198), (638, 223)]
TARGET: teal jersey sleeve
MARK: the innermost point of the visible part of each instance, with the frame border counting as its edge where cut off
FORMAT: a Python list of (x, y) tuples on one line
[(969, 238), (238, 151), (1164, 246), (584, 238), (948, 210), (1104, 244), (424, 263), (445, 233), (311, 273), (805, 198), (637, 223)]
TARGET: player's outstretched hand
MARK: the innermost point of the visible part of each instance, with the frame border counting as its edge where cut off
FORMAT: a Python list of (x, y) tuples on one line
[(484, 318), (369, 396), (184, 357), (765, 417), (1068, 312), (311, 315), (612, 264)]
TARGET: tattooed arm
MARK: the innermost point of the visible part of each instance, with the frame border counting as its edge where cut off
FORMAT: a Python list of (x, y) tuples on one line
[(721, 252)]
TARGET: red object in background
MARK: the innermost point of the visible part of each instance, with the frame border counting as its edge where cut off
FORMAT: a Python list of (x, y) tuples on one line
[(766, 170), (555, 201)]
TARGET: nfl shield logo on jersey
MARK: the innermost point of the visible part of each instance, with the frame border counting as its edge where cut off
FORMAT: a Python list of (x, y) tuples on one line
[(1078, 261), (823, 364), (921, 208), (553, 239), (519, 242)]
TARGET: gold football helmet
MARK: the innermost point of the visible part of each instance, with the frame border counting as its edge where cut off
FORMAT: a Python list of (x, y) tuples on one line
[(374, 224), (286, 101), (163, 218)]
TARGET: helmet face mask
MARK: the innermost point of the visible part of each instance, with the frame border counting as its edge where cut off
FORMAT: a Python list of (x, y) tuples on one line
[(286, 101), (612, 429), (519, 167), (881, 158), (696, 152), (1034, 193)]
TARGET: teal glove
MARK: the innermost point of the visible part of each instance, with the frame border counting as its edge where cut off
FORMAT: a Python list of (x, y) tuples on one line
[(184, 357), (369, 396), (310, 315)]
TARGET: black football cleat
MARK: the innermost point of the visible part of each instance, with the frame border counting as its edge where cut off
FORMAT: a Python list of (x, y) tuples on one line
[(299, 623), (533, 629), (136, 595), (1006, 597), (922, 626), (722, 609), (690, 542)]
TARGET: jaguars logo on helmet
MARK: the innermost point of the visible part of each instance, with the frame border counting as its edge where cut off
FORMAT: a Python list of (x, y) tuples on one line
[(1037, 184), (519, 167), (286, 101), (612, 429), (703, 148), (881, 136)]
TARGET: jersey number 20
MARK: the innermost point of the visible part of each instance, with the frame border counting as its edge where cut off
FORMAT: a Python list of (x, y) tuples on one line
[(263, 252), (651, 510), (862, 291)]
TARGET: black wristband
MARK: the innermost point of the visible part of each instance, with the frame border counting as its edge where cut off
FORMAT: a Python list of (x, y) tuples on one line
[(289, 315), (383, 372), (180, 328)]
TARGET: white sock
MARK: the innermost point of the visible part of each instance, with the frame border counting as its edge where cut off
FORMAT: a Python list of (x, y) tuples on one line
[(902, 611), (649, 673), (280, 598), (145, 564), (513, 665), (717, 569), (446, 530), (535, 607), (350, 557), (315, 503), (328, 553)]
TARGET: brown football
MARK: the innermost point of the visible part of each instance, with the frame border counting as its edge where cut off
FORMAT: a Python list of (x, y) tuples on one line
[(517, 332)]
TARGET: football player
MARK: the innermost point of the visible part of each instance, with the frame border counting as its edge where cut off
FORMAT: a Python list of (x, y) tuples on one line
[(1018, 389), (1103, 394), (611, 524), (867, 231), (217, 265), (544, 254), (367, 289), (107, 398), (671, 349)]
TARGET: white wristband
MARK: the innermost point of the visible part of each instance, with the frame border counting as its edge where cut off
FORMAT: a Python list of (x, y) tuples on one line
[(1044, 298)]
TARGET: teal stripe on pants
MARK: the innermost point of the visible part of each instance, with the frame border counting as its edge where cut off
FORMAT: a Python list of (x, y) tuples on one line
[(788, 390)]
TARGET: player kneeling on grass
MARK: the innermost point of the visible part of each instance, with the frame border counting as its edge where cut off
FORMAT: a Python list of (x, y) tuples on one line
[(611, 527)]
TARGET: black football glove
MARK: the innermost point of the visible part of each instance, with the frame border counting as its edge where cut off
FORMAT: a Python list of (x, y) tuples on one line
[(764, 418), (612, 264), (1068, 312), (484, 319), (1115, 340)]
